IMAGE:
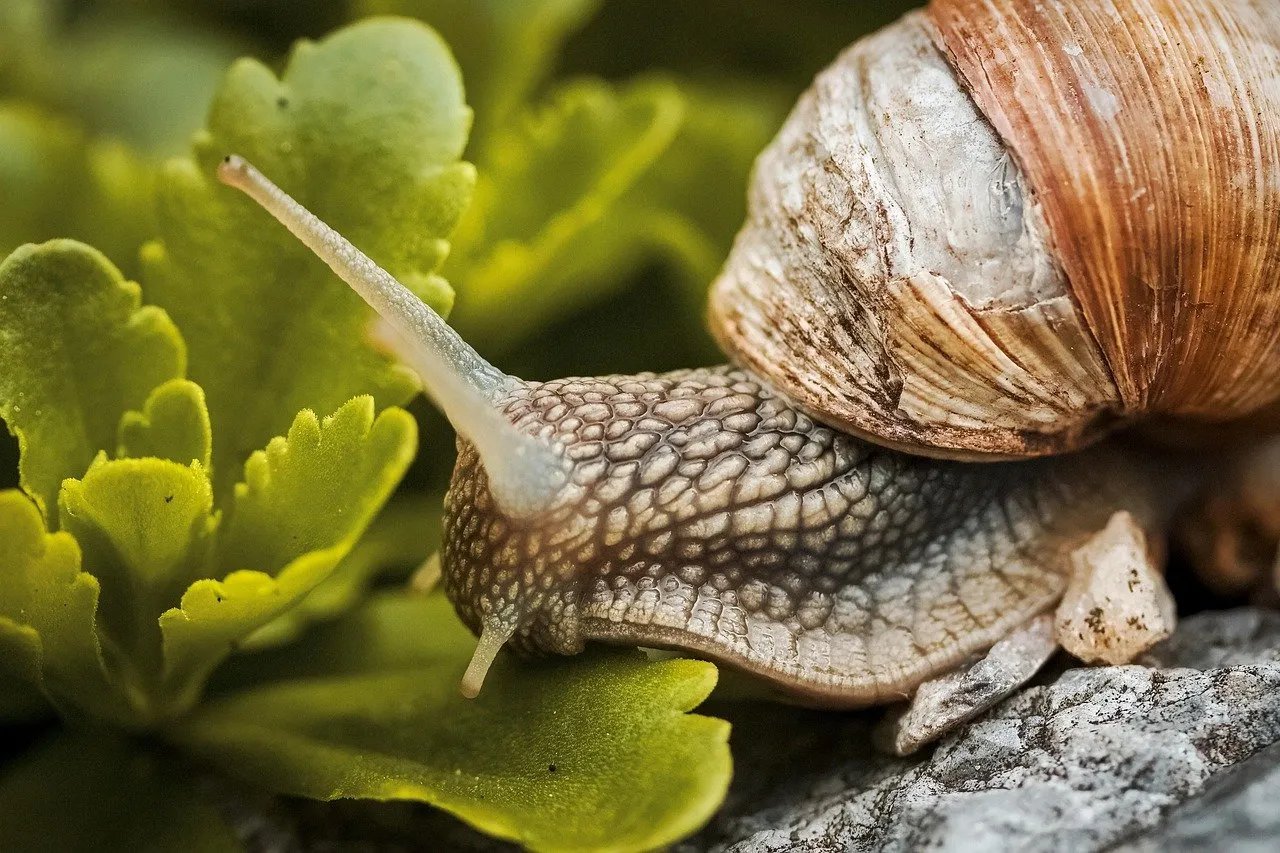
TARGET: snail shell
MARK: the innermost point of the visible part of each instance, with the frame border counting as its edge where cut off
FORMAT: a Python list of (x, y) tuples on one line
[(1005, 227)]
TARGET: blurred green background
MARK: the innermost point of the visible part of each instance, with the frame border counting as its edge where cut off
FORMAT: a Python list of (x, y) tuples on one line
[(95, 94)]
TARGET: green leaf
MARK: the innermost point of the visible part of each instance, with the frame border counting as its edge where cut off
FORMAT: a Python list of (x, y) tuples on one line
[(390, 631), (737, 39), (365, 128), (20, 701), (687, 210), (540, 239), (505, 48), (589, 752), (147, 529), (47, 608), (76, 352), (403, 535), (142, 79), (58, 182), (304, 503), (26, 27), (22, 692), (95, 791), (703, 177), (173, 425), (21, 657)]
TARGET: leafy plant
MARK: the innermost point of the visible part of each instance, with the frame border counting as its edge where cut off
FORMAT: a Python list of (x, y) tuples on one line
[(180, 500), (61, 182), (583, 183), (143, 80)]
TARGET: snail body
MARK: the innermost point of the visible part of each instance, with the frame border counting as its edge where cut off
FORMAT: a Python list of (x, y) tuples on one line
[(986, 238), (704, 513)]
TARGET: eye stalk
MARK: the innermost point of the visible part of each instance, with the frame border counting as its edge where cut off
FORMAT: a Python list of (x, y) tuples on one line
[(526, 474)]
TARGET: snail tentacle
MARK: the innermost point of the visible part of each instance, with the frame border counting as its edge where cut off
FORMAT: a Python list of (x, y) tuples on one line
[(493, 636), (526, 473)]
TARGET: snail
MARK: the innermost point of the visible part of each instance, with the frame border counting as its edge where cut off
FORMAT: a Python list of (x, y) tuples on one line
[(995, 250)]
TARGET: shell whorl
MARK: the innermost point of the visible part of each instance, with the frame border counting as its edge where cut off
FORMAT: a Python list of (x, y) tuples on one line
[(1003, 227)]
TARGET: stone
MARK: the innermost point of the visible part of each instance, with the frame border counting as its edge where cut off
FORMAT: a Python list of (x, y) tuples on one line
[(1117, 605), (1095, 758), (1221, 639), (1237, 812)]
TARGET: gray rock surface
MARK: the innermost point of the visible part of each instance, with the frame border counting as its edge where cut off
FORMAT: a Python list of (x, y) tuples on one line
[(1237, 812), (1155, 759)]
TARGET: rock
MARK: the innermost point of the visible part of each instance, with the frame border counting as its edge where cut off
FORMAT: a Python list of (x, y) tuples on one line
[(1117, 605), (1221, 639), (1095, 758), (1237, 812)]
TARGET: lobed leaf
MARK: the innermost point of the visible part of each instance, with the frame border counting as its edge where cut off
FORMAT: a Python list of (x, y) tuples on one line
[(542, 231), (20, 700), (305, 501), (590, 752), (399, 540), (365, 128), (98, 791), (703, 176), (47, 609), (26, 26), (21, 675), (76, 352), (173, 425), (729, 39), (58, 182), (551, 232), (505, 49), (688, 208), (146, 527), (143, 79)]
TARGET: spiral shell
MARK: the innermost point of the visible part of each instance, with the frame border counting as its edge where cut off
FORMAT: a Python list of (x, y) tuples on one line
[(1001, 228)]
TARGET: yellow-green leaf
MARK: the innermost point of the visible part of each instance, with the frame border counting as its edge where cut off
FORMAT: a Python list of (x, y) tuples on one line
[(304, 503), (366, 128), (20, 699), (47, 609), (403, 535), (540, 239), (505, 48), (98, 791), (146, 527), (703, 177), (76, 352), (173, 425), (59, 182), (592, 752), (20, 670)]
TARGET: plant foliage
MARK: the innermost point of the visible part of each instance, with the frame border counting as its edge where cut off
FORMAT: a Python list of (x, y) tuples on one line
[(198, 468)]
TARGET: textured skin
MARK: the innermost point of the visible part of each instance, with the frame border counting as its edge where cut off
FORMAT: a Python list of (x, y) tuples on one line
[(705, 513)]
